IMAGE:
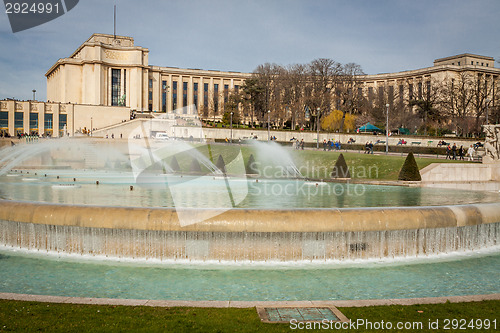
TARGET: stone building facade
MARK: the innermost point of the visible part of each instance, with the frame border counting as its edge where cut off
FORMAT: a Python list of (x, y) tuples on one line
[(108, 76), (110, 70)]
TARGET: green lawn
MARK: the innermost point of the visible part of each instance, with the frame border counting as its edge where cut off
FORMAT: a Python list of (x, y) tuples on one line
[(48, 317), (318, 164)]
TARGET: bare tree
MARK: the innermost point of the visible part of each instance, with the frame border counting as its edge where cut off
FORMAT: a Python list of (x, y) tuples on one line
[(323, 75), (293, 83), (267, 75), (458, 100), (350, 98), (427, 102)]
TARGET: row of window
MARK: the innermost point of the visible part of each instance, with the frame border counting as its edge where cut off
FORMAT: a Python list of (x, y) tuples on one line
[(472, 63), (33, 121), (174, 89)]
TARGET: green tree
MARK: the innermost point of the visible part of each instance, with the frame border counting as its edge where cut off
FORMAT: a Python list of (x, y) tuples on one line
[(253, 96)]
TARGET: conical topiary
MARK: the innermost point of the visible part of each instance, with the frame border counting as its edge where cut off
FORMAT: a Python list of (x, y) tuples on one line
[(195, 166), (251, 167), (174, 165), (409, 171), (340, 170), (221, 165)]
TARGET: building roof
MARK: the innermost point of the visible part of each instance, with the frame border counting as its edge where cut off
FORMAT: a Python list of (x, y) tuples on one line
[(464, 55)]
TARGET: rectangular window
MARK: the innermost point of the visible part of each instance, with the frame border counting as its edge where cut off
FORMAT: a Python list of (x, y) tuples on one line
[(420, 90), (390, 94), (428, 88), (370, 94), (18, 120), (381, 92), (401, 93), (236, 88), (4, 120), (48, 121), (164, 96), (216, 98), (410, 91), (115, 86), (184, 95), (205, 95), (150, 83), (124, 100), (226, 93), (205, 100), (174, 95), (195, 94), (150, 96), (63, 120), (33, 121)]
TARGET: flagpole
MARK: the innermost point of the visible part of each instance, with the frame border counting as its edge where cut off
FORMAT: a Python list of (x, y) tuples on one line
[(114, 23)]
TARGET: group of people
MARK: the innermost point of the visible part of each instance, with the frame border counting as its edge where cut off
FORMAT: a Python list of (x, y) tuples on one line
[(452, 152), (369, 147), (299, 144), (331, 144)]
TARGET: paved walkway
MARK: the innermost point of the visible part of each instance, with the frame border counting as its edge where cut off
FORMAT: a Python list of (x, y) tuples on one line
[(246, 304)]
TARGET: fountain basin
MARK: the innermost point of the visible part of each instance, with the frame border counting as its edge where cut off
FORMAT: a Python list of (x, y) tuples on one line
[(249, 234)]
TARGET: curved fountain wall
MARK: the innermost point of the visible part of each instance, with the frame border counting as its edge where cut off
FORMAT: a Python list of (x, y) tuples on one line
[(249, 234)]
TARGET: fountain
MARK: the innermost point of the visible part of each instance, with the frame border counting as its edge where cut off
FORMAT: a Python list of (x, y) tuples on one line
[(185, 209)]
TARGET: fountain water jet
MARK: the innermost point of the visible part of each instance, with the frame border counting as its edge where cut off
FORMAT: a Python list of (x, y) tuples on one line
[(204, 221)]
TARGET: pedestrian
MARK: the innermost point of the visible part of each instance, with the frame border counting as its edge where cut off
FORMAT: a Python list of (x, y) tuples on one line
[(454, 151), (448, 152), (471, 152), (461, 153)]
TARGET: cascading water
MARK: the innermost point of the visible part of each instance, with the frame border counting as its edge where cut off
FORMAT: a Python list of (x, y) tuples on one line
[(191, 195)]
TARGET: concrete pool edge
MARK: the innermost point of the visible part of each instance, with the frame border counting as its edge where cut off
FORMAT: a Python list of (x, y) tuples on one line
[(246, 304), (252, 220)]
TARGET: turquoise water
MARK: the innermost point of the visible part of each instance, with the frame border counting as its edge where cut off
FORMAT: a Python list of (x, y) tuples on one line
[(451, 275), (212, 192)]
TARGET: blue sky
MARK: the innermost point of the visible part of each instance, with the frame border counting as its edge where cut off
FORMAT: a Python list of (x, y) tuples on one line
[(237, 35)]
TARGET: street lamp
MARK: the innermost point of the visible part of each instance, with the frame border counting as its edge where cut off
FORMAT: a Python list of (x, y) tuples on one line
[(268, 127), (487, 102), (317, 128), (34, 94), (91, 125), (387, 130), (232, 127)]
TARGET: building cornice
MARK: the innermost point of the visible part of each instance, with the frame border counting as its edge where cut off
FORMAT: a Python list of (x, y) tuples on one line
[(429, 71), (199, 72), (464, 55)]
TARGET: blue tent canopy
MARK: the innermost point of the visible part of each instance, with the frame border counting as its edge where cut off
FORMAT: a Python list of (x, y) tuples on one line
[(369, 128)]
